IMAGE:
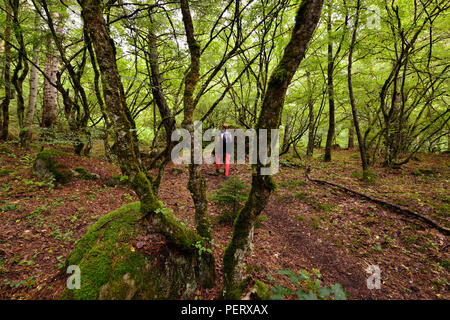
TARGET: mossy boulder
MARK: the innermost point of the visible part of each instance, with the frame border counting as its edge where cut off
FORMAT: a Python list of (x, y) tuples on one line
[(117, 180), (115, 264), (81, 173), (48, 164)]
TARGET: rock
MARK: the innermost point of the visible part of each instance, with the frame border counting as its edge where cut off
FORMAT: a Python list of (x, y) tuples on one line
[(48, 165), (111, 267), (81, 173), (117, 179)]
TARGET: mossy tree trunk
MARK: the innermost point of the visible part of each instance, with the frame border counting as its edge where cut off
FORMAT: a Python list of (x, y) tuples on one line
[(76, 106), (50, 93), (361, 143), (126, 148), (6, 78), (27, 132), (306, 20), (167, 117), (311, 133), (21, 69), (196, 183), (330, 85)]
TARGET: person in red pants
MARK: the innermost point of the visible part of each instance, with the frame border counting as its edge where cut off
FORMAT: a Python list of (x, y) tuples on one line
[(224, 150)]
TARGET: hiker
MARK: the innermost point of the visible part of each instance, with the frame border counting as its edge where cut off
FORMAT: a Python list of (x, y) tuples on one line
[(224, 149)]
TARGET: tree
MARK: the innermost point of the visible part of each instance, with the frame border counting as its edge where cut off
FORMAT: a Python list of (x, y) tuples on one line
[(306, 20), (6, 76), (355, 120)]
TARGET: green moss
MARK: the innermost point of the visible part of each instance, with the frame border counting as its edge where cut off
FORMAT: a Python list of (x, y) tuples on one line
[(83, 174), (112, 269), (261, 290), (141, 185), (46, 154), (5, 172), (46, 160), (270, 183)]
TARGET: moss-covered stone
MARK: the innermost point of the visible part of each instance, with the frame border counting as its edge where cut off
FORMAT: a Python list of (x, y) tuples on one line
[(261, 291), (111, 268), (47, 166), (81, 173)]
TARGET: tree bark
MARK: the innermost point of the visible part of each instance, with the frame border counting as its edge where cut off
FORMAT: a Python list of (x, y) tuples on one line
[(310, 146), (330, 83), (167, 117), (361, 144), (306, 20), (351, 136), (21, 69), (6, 77), (27, 134), (196, 183), (50, 95), (126, 148)]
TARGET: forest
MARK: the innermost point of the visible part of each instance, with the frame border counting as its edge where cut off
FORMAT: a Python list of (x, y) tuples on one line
[(224, 150)]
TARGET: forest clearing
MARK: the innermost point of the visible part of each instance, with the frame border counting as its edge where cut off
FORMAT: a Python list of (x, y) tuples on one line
[(233, 150)]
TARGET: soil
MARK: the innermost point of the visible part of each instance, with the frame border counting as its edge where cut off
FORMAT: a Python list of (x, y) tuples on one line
[(304, 227)]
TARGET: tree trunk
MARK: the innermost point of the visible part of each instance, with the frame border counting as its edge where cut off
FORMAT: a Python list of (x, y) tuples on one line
[(361, 144), (330, 83), (166, 115), (6, 77), (50, 95), (351, 136), (125, 147), (21, 69), (306, 20), (27, 134), (196, 183), (310, 147), (286, 136)]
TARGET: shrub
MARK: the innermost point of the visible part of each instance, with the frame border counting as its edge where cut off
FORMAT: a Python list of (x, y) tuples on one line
[(231, 196)]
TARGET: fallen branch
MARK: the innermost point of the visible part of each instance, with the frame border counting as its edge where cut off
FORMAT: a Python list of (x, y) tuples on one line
[(392, 206)]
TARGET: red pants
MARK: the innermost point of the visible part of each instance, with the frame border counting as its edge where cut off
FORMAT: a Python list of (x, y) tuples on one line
[(227, 162)]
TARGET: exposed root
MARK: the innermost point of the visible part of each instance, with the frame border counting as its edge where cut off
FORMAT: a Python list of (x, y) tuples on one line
[(391, 206)]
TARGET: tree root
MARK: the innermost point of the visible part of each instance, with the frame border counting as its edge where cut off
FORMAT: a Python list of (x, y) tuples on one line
[(391, 206)]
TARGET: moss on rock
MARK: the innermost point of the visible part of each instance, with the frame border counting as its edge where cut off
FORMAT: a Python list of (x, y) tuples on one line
[(81, 173), (47, 166), (111, 268)]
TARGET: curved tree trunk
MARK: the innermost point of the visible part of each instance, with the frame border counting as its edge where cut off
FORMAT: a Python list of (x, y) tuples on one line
[(306, 19), (196, 183), (126, 148), (361, 144)]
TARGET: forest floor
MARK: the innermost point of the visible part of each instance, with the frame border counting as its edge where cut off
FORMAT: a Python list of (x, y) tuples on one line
[(304, 227)]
